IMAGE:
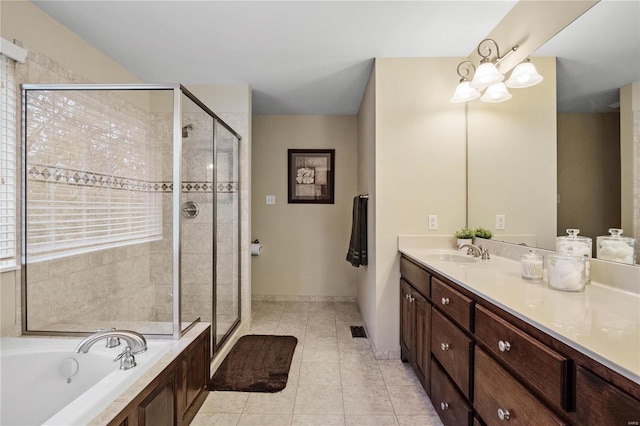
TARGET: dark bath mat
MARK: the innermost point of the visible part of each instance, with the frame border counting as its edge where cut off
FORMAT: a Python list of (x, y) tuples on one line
[(256, 363), (358, 331)]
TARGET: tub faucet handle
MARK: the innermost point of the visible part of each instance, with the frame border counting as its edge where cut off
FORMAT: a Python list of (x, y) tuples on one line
[(111, 342), (127, 360)]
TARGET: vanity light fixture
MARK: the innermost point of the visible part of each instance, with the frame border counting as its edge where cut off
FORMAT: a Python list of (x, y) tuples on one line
[(487, 76), (524, 75), (464, 92), (497, 92)]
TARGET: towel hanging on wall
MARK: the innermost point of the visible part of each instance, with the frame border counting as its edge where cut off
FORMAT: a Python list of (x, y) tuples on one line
[(357, 254)]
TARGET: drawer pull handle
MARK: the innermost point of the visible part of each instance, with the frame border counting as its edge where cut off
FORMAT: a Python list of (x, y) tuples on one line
[(504, 346), (503, 414), (444, 406), (444, 300), (444, 346)]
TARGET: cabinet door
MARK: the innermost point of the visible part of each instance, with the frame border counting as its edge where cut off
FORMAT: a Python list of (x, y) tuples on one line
[(599, 403), (422, 325), (159, 408), (406, 321)]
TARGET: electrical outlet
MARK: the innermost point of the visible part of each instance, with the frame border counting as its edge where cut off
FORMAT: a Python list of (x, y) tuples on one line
[(433, 221), (271, 199), (501, 221)]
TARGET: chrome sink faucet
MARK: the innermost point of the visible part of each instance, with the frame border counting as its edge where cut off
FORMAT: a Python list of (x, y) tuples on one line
[(135, 341), (476, 251)]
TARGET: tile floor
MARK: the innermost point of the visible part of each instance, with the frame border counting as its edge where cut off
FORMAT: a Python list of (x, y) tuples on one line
[(334, 378)]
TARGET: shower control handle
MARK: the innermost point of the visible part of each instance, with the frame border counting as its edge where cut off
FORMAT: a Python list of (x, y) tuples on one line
[(190, 210)]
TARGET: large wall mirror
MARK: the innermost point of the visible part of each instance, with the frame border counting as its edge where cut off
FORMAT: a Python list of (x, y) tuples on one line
[(568, 173)]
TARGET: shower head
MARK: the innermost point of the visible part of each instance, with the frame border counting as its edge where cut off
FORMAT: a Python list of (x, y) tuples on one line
[(185, 130)]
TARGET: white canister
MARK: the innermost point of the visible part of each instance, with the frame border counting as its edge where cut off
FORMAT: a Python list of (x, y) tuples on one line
[(577, 246), (566, 272), (616, 248)]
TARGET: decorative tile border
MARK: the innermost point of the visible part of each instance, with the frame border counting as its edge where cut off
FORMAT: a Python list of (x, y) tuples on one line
[(50, 174)]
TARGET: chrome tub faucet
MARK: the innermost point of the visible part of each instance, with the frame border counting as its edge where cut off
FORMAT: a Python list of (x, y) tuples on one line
[(135, 341)]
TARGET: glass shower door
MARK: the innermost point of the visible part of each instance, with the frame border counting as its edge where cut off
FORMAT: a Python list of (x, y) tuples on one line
[(227, 283)]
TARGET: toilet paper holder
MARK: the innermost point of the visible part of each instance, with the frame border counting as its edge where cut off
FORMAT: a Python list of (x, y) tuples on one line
[(256, 247)]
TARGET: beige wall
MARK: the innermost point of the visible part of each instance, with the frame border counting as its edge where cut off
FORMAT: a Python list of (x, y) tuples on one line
[(304, 245), (367, 185), (512, 160), (589, 173), (419, 170)]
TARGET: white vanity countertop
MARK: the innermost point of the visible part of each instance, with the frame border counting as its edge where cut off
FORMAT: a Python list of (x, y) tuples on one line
[(603, 322)]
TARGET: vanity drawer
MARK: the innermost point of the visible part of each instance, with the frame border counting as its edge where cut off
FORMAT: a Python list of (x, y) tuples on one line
[(418, 277), (452, 302), (498, 397), (453, 349), (599, 403), (544, 369), (452, 408)]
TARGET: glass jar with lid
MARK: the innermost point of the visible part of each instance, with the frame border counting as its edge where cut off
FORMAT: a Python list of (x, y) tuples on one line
[(579, 246), (615, 247), (566, 270), (532, 266)]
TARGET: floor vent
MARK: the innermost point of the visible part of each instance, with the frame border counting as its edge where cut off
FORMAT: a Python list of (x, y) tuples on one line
[(358, 331)]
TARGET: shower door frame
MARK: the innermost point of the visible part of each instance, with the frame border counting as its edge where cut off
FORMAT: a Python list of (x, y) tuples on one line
[(177, 90)]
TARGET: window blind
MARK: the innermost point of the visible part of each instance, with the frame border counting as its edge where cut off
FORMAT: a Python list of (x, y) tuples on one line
[(7, 162), (92, 174), (64, 219)]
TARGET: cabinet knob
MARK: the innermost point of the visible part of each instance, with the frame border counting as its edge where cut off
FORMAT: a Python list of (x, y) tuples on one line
[(504, 346), (503, 414), (406, 296), (444, 300), (444, 346), (444, 406)]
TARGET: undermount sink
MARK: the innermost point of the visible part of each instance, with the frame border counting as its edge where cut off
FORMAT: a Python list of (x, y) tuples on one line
[(459, 258)]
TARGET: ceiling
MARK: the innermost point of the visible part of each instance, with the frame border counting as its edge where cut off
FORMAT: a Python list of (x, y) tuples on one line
[(314, 57)]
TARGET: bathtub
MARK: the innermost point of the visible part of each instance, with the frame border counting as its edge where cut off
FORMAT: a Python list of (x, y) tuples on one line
[(43, 381)]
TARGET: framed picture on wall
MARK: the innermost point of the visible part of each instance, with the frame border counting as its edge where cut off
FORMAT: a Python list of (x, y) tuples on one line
[(311, 176)]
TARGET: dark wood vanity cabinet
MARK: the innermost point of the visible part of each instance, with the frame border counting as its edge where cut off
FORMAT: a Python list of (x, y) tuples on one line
[(176, 394), (488, 367), (415, 321), (599, 403), (415, 332)]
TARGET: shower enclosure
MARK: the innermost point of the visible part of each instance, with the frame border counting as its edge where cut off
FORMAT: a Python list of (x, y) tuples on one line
[(130, 201)]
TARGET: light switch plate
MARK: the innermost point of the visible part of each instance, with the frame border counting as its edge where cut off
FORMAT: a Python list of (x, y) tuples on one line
[(433, 222), (271, 199)]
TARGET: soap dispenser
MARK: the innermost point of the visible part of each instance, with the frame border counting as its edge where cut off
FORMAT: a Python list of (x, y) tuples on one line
[(615, 247), (578, 246)]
